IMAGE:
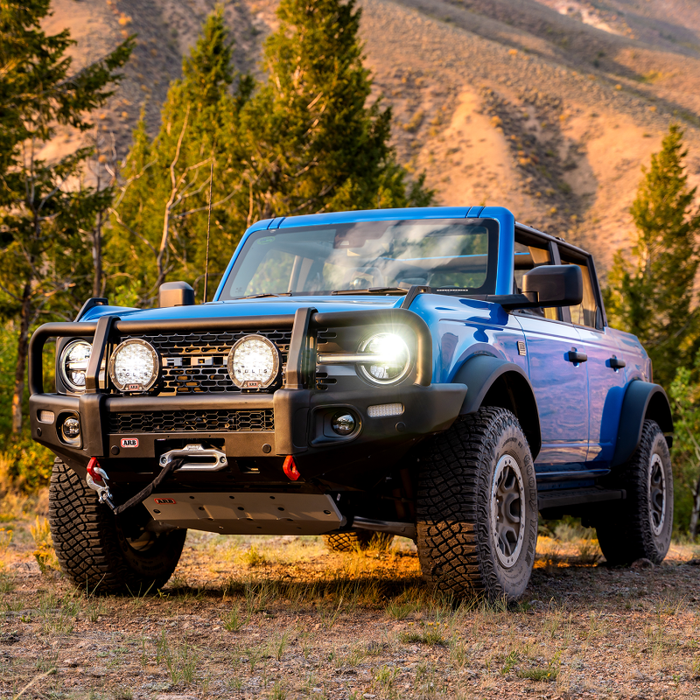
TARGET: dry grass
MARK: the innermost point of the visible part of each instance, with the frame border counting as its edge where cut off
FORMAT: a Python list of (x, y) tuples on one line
[(281, 617)]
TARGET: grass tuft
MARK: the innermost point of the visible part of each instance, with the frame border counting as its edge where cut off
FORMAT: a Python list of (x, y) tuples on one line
[(427, 635), (44, 553), (234, 621)]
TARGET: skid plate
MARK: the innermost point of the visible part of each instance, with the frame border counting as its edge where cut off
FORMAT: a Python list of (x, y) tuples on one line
[(247, 513)]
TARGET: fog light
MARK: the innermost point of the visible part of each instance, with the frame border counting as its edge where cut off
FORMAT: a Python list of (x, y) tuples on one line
[(385, 409), (71, 428), (343, 423)]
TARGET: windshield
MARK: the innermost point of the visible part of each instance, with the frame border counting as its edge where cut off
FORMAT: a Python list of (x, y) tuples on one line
[(453, 254)]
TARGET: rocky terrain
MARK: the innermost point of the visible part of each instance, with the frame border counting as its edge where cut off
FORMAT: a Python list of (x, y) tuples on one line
[(548, 107)]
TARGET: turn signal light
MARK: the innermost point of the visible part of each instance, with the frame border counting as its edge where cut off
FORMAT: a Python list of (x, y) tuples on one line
[(290, 468)]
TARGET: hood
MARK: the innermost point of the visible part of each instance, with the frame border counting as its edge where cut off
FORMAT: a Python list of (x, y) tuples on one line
[(268, 306)]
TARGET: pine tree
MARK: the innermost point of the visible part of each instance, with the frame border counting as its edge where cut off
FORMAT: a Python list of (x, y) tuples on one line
[(42, 217), (309, 139), (305, 141), (160, 215), (651, 295)]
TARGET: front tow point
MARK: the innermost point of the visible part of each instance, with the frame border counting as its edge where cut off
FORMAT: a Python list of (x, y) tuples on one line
[(97, 480), (290, 468)]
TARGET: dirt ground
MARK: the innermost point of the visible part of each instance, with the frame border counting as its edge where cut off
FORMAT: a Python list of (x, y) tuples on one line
[(282, 617)]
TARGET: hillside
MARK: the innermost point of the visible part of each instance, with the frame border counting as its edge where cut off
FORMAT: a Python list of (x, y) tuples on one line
[(549, 108)]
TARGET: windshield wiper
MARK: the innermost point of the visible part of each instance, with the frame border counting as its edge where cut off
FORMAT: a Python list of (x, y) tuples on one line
[(371, 290), (262, 296)]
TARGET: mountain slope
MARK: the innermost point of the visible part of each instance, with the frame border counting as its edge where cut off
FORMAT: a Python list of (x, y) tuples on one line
[(549, 108)]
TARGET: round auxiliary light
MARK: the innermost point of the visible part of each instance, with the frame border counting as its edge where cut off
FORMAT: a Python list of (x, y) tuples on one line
[(74, 364), (391, 360), (253, 362), (71, 428), (343, 423), (134, 366)]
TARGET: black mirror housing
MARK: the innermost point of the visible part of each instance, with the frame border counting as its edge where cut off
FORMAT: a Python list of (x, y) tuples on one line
[(176, 294), (554, 285)]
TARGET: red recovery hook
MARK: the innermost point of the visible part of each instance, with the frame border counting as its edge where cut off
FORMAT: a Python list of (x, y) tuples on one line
[(97, 480)]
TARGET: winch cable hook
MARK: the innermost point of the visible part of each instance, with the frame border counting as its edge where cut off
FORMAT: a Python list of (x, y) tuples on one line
[(97, 479)]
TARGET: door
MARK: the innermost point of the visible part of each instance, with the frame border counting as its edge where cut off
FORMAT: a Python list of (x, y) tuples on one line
[(606, 376), (561, 389), (560, 385)]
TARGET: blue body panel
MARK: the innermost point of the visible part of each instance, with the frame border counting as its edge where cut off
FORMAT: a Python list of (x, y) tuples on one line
[(579, 404)]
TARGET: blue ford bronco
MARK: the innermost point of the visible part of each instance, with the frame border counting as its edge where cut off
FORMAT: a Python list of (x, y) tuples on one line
[(443, 374)]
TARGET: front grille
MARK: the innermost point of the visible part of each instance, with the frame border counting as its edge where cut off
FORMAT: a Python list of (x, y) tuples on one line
[(178, 350), (190, 421)]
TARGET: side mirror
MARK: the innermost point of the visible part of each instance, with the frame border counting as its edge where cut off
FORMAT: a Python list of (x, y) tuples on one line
[(554, 285), (175, 294)]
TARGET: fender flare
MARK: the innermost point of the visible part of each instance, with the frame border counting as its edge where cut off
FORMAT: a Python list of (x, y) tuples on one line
[(505, 384), (642, 400)]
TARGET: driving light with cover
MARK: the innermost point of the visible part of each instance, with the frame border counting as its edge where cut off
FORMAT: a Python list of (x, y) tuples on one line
[(253, 362), (391, 359), (134, 366), (74, 364)]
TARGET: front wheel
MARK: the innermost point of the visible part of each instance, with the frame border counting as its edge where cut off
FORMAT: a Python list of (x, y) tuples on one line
[(640, 527), (93, 550), (477, 507)]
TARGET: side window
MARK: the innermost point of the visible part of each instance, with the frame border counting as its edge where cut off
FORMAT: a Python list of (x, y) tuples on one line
[(529, 254), (586, 313)]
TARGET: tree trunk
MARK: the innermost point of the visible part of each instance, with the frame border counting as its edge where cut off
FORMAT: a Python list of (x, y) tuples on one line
[(20, 370), (97, 257), (696, 511)]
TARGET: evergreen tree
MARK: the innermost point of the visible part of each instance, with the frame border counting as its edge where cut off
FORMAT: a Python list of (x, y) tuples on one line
[(651, 295), (308, 138), (43, 216), (160, 215), (685, 395)]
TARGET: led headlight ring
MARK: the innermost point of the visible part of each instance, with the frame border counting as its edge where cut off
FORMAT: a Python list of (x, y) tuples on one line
[(74, 363), (391, 361), (134, 366), (253, 362)]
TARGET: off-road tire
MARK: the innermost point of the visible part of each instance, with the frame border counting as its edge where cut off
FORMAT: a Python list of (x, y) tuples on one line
[(626, 531), (92, 548), (456, 502), (353, 540)]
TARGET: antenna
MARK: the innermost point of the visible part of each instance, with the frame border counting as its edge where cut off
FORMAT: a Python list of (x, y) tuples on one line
[(206, 259)]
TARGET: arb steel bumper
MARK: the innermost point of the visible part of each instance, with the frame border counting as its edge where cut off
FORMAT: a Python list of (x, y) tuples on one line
[(291, 421)]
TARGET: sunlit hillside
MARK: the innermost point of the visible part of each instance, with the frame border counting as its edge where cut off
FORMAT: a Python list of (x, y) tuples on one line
[(549, 108)]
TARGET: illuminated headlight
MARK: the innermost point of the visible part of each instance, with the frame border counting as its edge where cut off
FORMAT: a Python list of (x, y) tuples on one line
[(391, 359), (134, 366), (253, 362), (74, 364)]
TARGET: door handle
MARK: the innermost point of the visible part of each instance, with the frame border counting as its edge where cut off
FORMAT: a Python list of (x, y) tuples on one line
[(576, 357), (617, 363)]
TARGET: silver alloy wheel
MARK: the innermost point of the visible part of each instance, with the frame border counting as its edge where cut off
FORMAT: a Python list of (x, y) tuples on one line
[(507, 510), (657, 494)]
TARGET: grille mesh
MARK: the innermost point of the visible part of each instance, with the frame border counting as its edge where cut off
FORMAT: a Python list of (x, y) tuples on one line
[(204, 347), (191, 421)]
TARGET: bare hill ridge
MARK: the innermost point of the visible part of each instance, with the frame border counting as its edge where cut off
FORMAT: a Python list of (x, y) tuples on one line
[(549, 108)]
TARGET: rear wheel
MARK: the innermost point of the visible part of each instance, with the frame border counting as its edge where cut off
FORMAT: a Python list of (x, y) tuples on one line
[(640, 527), (93, 549), (477, 507), (353, 540)]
